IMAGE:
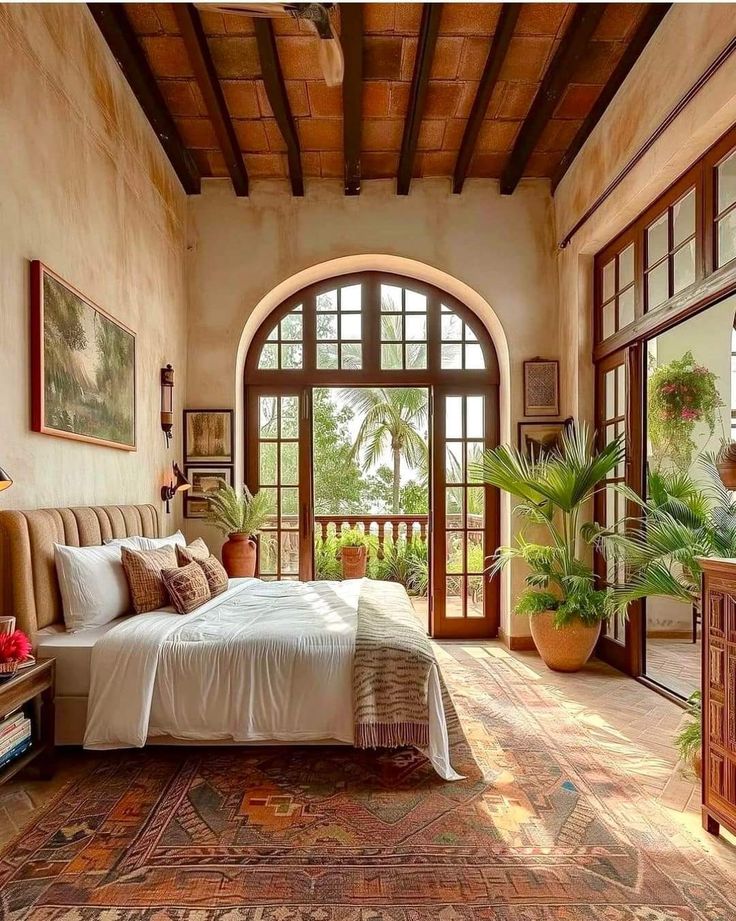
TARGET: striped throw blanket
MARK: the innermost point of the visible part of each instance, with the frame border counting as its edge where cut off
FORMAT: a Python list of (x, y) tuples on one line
[(393, 659)]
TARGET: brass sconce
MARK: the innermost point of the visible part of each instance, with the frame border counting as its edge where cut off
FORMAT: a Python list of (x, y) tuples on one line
[(167, 402), (179, 484), (6, 481)]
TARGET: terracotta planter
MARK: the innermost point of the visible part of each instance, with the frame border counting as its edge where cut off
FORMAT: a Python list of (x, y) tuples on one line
[(726, 464), (697, 764), (354, 560), (565, 650), (239, 556)]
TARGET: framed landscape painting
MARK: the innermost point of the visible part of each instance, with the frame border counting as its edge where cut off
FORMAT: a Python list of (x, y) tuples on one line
[(208, 436), (82, 366), (207, 480)]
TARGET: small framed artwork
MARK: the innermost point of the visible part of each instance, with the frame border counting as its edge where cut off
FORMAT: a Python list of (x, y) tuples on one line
[(195, 506), (538, 439), (207, 480), (541, 387), (208, 436), (82, 366)]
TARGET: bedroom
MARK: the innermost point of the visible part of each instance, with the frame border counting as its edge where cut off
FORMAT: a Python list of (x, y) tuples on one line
[(181, 187)]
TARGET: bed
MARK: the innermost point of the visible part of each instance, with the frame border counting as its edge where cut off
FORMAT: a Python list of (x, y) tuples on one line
[(264, 663)]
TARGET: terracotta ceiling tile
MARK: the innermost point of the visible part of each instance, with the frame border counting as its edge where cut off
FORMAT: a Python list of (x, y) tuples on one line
[(469, 18), (433, 164), (541, 18), (542, 165), (197, 132), (382, 133), (487, 165), (266, 166), (382, 57), (251, 135), (237, 24), (468, 92), (408, 57), (598, 61), (454, 131), (298, 55), (577, 101), (311, 164), (213, 23), (516, 100), (408, 17), (442, 99), (526, 59), (235, 56), (378, 17), (167, 18), (332, 164), (276, 142), (399, 101), (473, 58), (241, 97), (383, 165), (320, 133), (557, 135), (619, 21), (296, 90), (289, 25), (496, 136), (167, 56), (210, 163), (182, 97), (324, 101), (446, 60), (144, 18), (431, 133), (376, 96)]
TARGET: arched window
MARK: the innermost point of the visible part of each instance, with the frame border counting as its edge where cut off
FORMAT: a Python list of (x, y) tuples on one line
[(380, 330)]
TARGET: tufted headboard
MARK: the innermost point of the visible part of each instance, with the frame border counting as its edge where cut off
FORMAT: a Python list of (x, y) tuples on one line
[(29, 589)]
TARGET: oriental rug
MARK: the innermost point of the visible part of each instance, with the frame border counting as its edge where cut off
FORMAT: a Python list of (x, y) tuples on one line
[(546, 827)]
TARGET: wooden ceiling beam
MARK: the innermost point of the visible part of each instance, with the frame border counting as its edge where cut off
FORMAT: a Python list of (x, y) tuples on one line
[(123, 42), (494, 62), (273, 80), (428, 31), (559, 73), (351, 38), (645, 30), (192, 32)]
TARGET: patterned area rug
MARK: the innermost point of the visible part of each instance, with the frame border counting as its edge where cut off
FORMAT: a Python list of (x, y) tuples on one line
[(551, 830)]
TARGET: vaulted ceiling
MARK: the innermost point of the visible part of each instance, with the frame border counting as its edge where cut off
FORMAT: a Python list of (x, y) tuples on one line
[(454, 90)]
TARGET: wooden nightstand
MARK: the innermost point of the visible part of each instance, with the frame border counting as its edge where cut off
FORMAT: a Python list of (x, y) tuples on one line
[(33, 685)]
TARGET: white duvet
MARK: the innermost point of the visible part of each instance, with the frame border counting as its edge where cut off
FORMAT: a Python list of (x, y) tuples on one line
[(264, 661)]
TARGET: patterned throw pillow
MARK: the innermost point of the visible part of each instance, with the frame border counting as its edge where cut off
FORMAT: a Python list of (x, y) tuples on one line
[(187, 587), (143, 572), (215, 574), (197, 550)]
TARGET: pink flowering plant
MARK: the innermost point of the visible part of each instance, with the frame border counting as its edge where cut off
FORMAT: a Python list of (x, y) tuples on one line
[(681, 395), (14, 647)]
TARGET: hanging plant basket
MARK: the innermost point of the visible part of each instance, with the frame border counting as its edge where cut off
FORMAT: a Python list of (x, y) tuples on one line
[(726, 464)]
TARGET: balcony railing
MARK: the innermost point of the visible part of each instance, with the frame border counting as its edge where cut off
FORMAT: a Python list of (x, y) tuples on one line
[(383, 527)]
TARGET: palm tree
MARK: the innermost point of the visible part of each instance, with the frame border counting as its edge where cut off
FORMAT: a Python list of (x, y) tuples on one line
[(393, 417)]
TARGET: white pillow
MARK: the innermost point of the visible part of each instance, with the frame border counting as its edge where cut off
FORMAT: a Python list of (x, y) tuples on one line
[(93, 586), (153, 543), (133, 543)]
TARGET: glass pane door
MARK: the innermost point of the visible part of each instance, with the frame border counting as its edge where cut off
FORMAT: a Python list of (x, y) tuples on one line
[(278, 439), (463, 517)]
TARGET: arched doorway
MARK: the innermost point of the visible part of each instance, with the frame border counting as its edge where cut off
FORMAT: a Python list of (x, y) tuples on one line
[(376, 329)]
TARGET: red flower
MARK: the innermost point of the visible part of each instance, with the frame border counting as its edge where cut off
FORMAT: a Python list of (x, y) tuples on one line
[(14, 647)]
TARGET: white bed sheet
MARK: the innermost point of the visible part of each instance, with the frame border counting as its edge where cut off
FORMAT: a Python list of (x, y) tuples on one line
[(73, 654), (264, 661)]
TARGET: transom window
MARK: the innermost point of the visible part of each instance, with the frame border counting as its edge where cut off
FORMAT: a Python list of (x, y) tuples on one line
[(617, 292), (670, 251), (284, 348), (725, 216)]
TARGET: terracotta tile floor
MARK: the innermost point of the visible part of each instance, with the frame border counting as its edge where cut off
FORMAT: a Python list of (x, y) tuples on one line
[(633, 723), (675, 663)]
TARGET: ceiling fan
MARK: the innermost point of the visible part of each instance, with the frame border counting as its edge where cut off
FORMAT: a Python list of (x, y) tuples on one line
[(317, 15)]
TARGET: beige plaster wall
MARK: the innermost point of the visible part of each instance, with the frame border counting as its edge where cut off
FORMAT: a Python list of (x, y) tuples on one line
[(690, 37), (86, 188), (497, 250)]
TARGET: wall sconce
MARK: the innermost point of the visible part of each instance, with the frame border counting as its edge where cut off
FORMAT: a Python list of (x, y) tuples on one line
[(179, 484), (6, 481), (167, 402)]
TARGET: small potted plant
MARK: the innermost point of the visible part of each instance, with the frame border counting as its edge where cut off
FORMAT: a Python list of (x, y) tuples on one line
[(239, 515), (15, 648), (690, 737), (353, 553)]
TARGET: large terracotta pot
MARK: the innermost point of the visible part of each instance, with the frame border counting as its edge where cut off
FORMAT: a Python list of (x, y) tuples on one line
[(564, 650), (239, 556), (354, 560), (726, 465)]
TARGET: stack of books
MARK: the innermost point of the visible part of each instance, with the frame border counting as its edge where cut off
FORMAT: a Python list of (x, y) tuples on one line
[(15, 737)]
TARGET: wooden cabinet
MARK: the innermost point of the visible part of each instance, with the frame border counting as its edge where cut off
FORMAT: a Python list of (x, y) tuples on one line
[(719, 695)]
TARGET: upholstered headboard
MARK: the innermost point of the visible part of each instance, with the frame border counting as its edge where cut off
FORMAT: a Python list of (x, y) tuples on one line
[(29, 589)]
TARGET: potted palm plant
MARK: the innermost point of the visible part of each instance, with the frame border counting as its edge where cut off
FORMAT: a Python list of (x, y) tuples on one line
[(563, 599), (353, 553), (240, 516)]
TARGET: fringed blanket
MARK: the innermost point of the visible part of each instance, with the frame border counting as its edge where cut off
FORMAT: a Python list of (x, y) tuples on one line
[(391, 668)]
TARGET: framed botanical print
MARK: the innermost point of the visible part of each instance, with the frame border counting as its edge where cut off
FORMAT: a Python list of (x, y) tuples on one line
[(195, 507), (541, 387), (537, 439), (82, 366), (208, 436), (207, 480)]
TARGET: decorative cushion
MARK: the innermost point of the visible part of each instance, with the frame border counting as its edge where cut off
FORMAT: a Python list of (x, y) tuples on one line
[(92, 583), (153, 543), (143, 571), (215, 574), (197, 550), (187, 587)]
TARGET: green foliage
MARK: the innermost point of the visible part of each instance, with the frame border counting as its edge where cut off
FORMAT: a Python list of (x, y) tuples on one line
[(414, 498), (338, 481), (402, 561), (690, 738), (354, 537), (233, 512), (553, 491), (326, 564), (680, 394)]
